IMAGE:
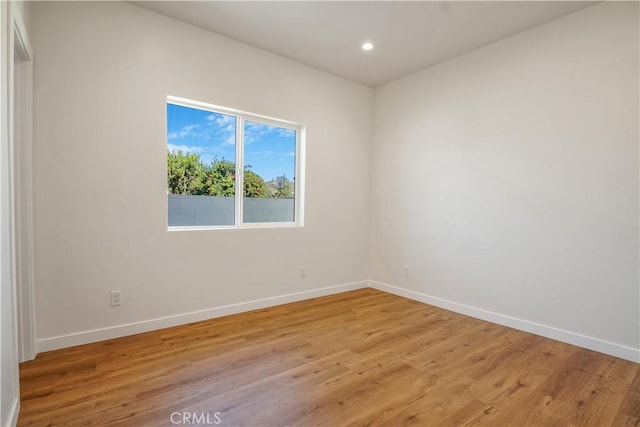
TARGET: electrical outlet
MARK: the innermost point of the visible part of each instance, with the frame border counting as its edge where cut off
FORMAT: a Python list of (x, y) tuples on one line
[(115, 298), (406, 271), (303, 272)]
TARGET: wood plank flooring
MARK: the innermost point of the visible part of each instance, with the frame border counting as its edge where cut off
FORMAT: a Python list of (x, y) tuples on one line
[(361, 358)]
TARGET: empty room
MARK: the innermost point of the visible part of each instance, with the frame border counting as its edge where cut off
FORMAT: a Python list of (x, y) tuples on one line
[(320, 213)]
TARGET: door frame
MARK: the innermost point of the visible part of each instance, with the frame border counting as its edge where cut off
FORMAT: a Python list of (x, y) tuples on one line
[(20, 110)]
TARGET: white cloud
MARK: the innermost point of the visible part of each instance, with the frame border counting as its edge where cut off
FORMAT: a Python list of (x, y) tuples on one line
[(221, 119), (255, 131), (286, 133), (189, 130), (219, 127), (231, 140)]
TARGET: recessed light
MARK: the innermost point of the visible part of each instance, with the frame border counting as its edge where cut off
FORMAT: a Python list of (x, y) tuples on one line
[(367, 46)]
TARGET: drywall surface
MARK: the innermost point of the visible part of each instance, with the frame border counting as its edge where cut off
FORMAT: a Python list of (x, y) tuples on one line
[(102, 75), (9, 388), (507, 179), (9, 372)]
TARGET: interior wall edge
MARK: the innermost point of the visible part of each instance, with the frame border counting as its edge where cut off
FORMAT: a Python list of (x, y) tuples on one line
[(568, 337), (95, 335)]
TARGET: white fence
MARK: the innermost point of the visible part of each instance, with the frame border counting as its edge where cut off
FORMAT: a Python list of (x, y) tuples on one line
[(210, 210)]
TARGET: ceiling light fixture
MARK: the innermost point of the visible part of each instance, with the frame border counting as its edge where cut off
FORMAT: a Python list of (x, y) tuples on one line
[(367, 46)]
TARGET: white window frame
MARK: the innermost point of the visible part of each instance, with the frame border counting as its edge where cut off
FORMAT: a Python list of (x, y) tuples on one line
[(241, 117)]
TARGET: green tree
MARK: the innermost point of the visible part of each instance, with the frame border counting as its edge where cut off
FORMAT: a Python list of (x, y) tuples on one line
[(188, 175), (184, 172), (219, 179), (254, 185)]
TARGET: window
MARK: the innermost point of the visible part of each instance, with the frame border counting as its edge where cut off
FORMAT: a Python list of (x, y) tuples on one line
[(227, 168)]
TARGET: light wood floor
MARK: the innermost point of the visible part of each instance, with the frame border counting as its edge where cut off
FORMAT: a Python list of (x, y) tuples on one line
[(357, 358)]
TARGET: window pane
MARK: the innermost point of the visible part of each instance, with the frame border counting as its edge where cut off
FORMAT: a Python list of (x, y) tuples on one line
[(201, 171), (269, 168)]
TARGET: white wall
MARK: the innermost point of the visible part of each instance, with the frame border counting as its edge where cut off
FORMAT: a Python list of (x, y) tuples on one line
[(102, 74), (507, 179), (8, 359), (10, 12)]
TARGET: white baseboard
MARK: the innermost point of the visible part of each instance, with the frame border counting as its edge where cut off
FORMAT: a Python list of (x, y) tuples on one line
[(612, 349), (94, 335), (568, 337)]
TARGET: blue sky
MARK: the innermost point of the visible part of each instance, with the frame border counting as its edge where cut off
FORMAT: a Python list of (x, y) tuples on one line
[(269, 150)]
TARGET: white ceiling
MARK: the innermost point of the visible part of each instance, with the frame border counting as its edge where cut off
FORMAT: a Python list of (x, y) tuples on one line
[(408, 36)]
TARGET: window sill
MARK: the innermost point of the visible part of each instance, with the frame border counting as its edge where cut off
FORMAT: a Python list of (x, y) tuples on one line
[(251, 226)]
